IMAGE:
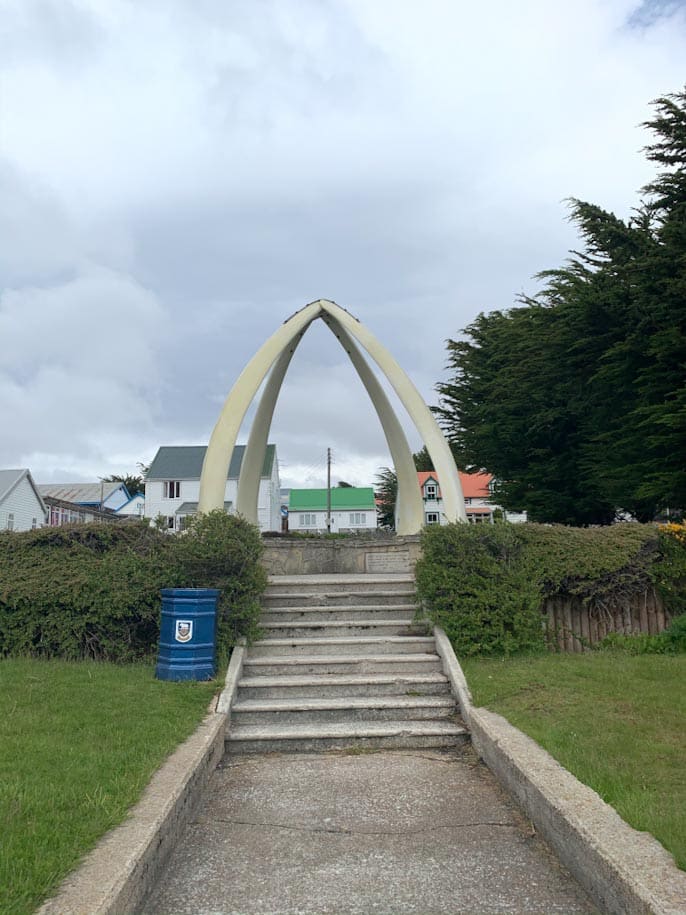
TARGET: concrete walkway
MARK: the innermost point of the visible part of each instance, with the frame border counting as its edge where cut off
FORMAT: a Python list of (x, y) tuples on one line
[(376, 833)]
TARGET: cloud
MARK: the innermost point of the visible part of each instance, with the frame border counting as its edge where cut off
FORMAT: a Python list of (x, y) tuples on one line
[(79, 373), (179, 178)]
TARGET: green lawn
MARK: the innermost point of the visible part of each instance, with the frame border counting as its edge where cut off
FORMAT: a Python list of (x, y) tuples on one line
[(617, 721), (78, 743)]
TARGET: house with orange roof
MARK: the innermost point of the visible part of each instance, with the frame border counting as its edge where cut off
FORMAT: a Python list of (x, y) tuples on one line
[(477, 489)]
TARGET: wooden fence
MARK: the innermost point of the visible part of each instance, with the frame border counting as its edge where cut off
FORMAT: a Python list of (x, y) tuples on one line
[(570, 625)]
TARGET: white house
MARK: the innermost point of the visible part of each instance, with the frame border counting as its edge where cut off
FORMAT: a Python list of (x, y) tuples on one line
[(134, 508), (352, 509), (99, 496), (477, 489), (21, 504), (172, 485)]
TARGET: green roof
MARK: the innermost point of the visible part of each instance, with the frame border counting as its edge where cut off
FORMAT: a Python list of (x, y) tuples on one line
[(357, 498), (184, 462)]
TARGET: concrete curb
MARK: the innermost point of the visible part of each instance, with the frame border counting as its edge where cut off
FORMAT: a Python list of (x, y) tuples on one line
[(233, 675), (116, 876), (625, 872)]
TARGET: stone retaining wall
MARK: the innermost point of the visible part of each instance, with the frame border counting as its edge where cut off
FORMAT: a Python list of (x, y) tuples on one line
[(335, 556)]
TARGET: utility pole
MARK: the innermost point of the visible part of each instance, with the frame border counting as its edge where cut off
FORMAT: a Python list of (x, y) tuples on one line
[(328, 490)]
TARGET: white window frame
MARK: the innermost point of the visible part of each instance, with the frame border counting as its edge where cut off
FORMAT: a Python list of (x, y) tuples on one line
[(10, 521), (431, 491), (171, 489), (432, 518), (308, 519), (358, 519)]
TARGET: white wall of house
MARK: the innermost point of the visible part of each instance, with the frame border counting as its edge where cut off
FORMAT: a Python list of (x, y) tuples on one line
[(479, 508), (21, 509), (134, 508), (163, 498), (315, 521)]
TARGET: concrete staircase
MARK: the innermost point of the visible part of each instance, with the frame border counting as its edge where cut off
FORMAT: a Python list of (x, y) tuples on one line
[(342, 665)]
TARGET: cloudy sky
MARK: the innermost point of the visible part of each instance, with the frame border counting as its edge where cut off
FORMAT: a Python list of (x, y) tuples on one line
[(178, 176)]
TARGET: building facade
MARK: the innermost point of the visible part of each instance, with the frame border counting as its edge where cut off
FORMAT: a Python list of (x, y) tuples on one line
[(353, 509), (172, 486), (477, 489), (21, 505)]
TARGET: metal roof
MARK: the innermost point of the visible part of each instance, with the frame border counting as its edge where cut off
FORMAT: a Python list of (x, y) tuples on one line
[(81, 493), (343, 498), (184, 462)]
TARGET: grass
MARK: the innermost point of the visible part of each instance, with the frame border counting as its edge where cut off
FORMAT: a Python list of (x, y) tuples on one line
[(78, 743), (615, 720)]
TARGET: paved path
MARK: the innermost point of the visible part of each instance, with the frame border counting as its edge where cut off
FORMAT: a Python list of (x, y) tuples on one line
[(384, 833)]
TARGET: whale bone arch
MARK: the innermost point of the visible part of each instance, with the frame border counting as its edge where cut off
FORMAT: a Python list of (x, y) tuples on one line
[(409, 515), (275, 355)]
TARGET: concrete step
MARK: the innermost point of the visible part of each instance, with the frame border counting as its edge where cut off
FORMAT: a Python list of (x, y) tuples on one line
[(274, 614), (333, 629), (325, 665), (343, 582), (316, 597), (361, 735), (304, 712), (360, 645), (332, 685)]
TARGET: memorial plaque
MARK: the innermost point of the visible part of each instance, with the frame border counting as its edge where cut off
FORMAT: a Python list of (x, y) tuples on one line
[(387, 562)]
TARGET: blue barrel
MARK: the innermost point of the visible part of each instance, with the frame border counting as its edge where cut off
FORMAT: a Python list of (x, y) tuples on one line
[(187, 634)]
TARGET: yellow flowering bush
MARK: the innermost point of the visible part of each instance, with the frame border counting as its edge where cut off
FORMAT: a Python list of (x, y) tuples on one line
[(676, 530)]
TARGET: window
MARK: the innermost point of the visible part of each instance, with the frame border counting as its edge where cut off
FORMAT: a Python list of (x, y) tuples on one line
[(308, 520), (430, 490), (467, 500), (10, 521), (170, 522), (432, 517), (358, 518), (172, 489)]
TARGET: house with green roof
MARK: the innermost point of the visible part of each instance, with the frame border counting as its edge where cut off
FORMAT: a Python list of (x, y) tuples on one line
[(172, 485), (352, 509)]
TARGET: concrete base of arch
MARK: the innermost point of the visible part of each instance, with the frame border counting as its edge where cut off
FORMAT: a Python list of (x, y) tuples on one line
[(389, 555)]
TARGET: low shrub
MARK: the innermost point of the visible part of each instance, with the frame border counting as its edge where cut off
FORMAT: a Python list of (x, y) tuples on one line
[(486, 584), (473, 584), (93, 591)]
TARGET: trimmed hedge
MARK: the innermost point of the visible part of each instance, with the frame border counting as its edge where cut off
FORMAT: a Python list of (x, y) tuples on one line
[(93, 591), (485, 584)]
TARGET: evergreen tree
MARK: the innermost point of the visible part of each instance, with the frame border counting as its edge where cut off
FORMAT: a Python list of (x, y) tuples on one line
[(386, 495), (576, 399)]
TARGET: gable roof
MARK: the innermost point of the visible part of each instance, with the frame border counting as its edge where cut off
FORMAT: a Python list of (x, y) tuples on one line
[(474, 485), (184, 462), (82, 493), (10, 479), (343, 498)]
